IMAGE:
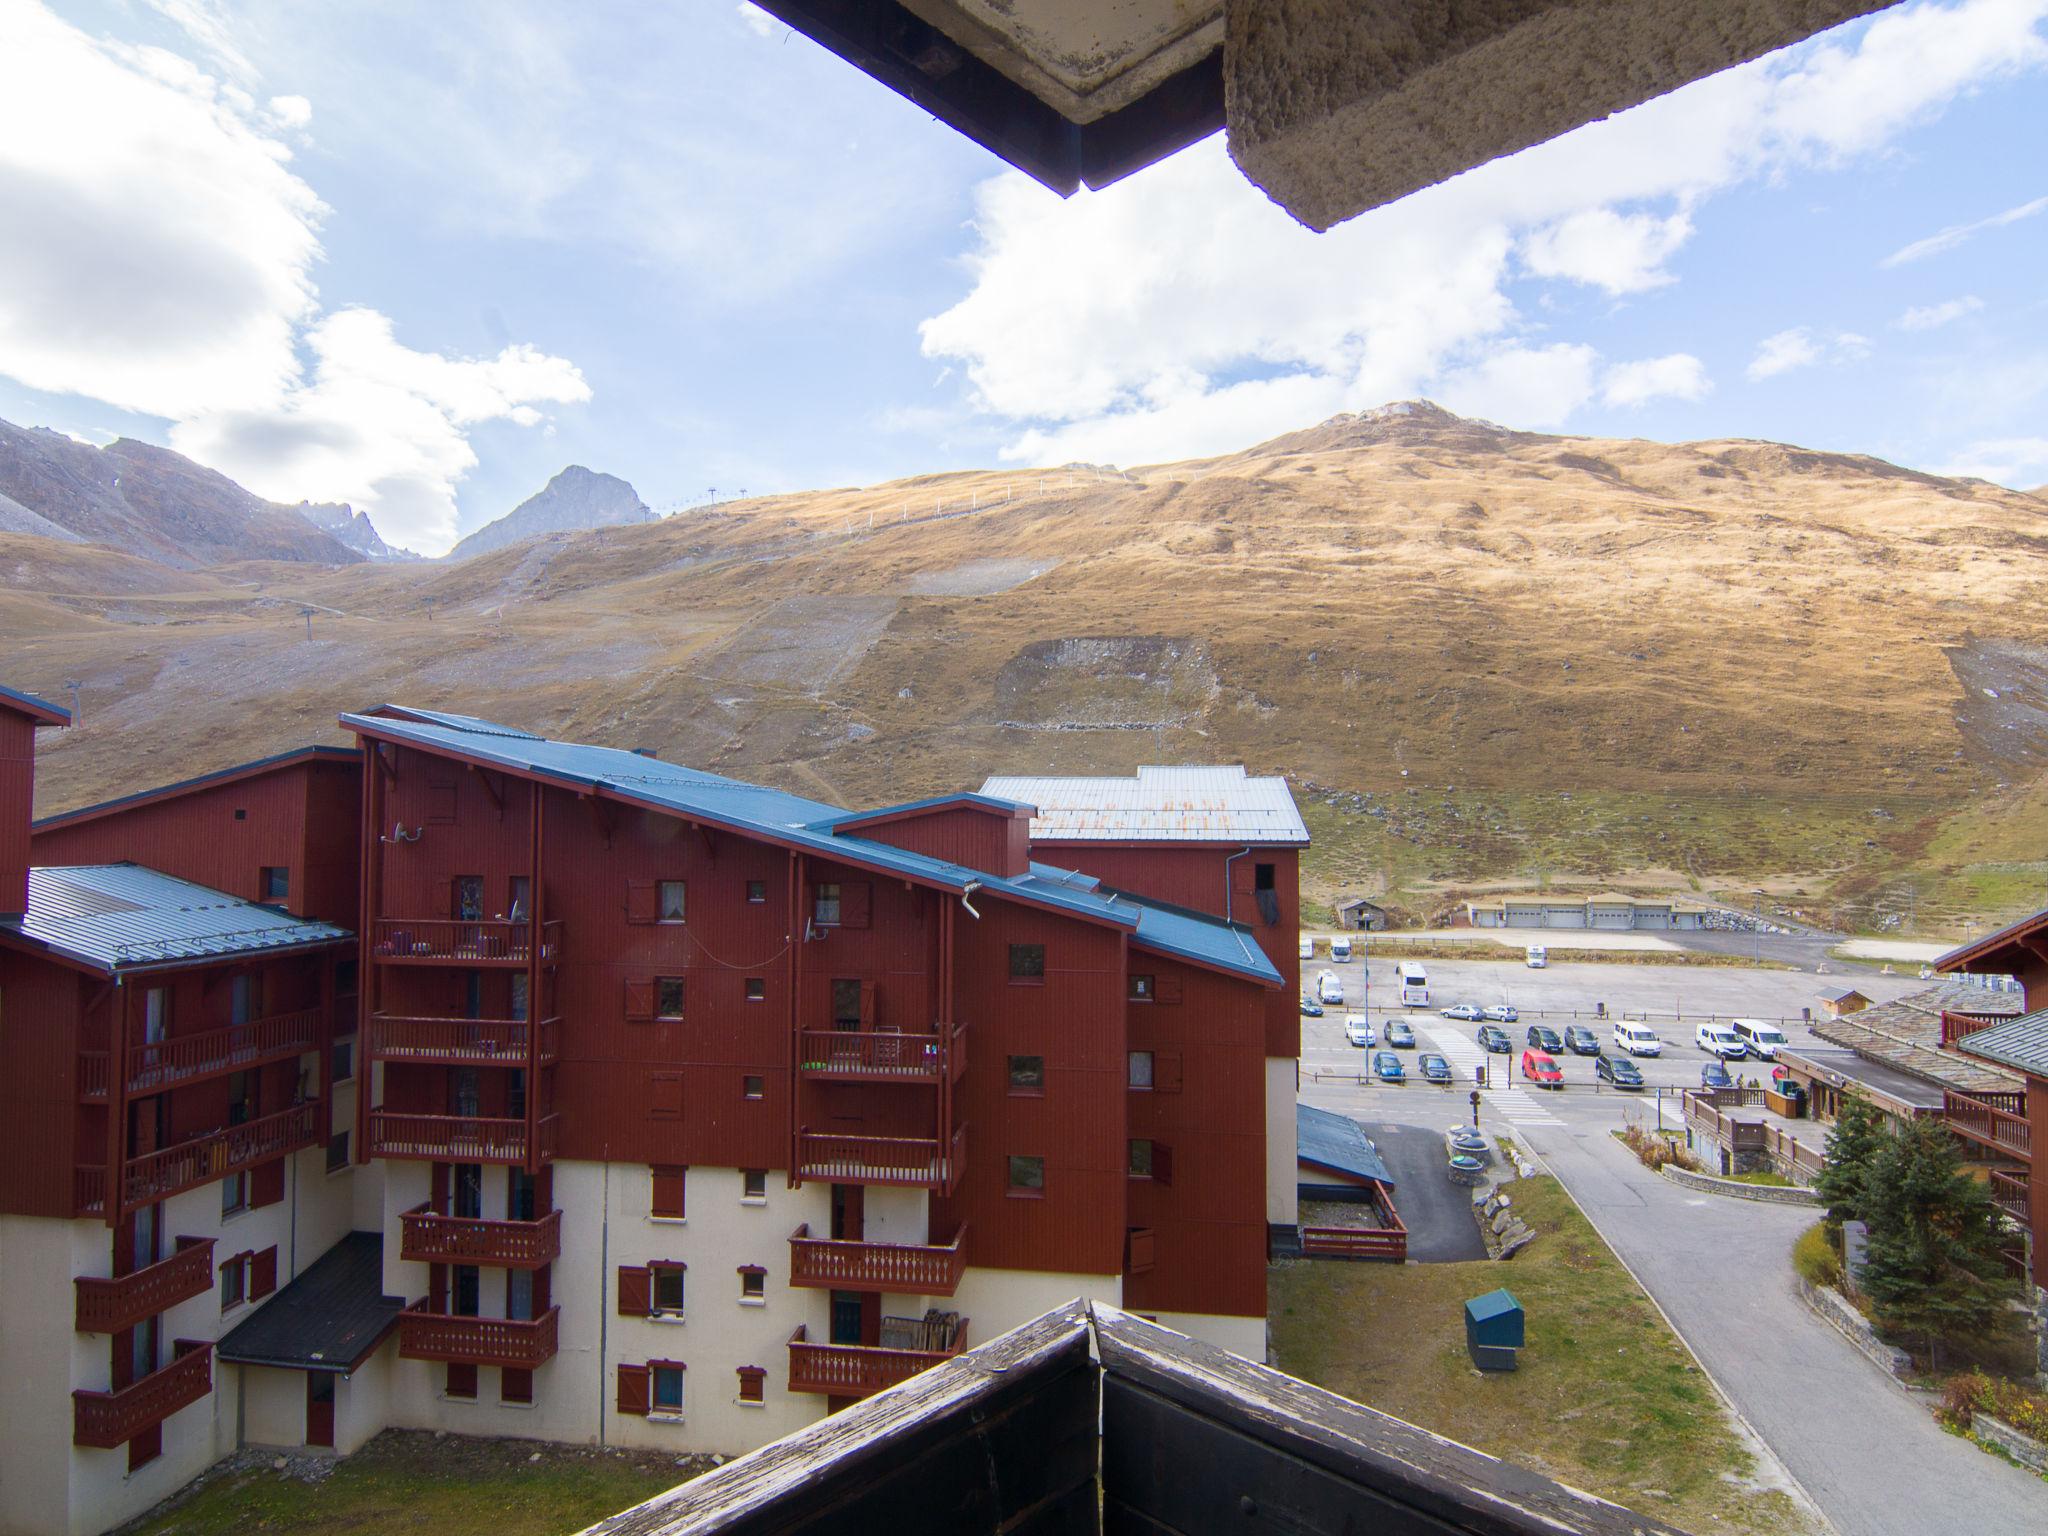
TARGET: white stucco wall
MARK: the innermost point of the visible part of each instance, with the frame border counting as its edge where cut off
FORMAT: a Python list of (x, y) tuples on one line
[(1283, 1078), (1245, 1336), (362, 1402), (273, 1405)]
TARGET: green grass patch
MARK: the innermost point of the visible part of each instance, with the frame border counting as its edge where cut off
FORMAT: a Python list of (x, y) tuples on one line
[(1606, 1398), (1763, 1176)]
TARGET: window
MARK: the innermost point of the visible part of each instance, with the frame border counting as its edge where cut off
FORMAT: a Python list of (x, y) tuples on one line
[(668, 997), (234, 1194), (667, 1289), (668, 1388), (757, 989), (245, 999), (241, 813), (753, 1378), (519, 1295), (520, 995), (757, 891), (1027, 1074), (522, 1195), (1140, 1075), (1027, 1176), (753, 1283), (1140, 1158), (234, 1282), (469, 898), (344, 1058), (461, 1379), (668, 896), (846, 1002), (752, 1087), (753, 1183), (1141, 989), (515, 1386), (345, 978), (520, 890), (1266, 894), (825, 906), (275, 882), (1027, 962), (667, 1198), (337, 1152)]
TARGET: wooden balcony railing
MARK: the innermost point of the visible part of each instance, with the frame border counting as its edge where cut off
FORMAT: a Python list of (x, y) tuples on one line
[(108, 1306), (919, 1162), (501, 1341), (865, 1056), (186, 1058), (1960, 1026), (2009, 1193), (458, 1042), (1981, 1119), (860, 1370), (908, 1269), (161, 1174), (455, 1138), (461, 941), (89, 1190), (428, 1237), (92, 1075), (109, 1419)]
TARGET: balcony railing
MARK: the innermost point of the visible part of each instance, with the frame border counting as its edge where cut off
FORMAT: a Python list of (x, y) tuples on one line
[(501, 1341), (428, 1237), (2009, 1193), (458, 1042), (1982, 1119), (461, 941), (916, 1161), (907, 1269), (109, 1419), (160, 1064), (1960, 1026), (861, 1370), (865, 1056), (89, 1190), (108, 1306), (455, 1138), (159, 1175)]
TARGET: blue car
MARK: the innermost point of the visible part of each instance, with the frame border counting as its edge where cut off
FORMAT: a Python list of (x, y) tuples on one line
[(1311, 1009), (1434, 1067), (1714, 1075), (1386, 1066)]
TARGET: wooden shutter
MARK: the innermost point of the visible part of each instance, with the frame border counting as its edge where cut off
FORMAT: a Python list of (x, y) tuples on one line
[(633, 1389), (640, 905), (266, 1184), (1166, 1071), (1138, 1250), (856, 903), (636, 1290), (1166, 986), (666, 1102), (751, 1379), (263, 1273), (867, 1005), (444, 898), (668, 1192), (639, 1000), (1162, 1163)]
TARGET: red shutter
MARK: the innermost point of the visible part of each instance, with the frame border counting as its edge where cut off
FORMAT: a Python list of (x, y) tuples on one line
[(636, 1291), (1166, 1071), (668, 1192), (632, 1389), (444, 898), (640, 906), (639, 1001), (1166, 987), (867, 1005), (263, 1273), (1162, 1163), (1138, 1252), (666, 1099), (266, 1183), (856, 902)]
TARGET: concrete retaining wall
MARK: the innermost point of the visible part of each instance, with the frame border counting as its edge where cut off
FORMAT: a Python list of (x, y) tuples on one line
[(2023, 1448), (1770, 1194), (1835, 1310)]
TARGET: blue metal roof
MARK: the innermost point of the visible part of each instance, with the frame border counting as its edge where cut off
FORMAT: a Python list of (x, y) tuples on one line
[(809, 825), (32, 704), (1336, 1141), (935, 803), (118, 915)]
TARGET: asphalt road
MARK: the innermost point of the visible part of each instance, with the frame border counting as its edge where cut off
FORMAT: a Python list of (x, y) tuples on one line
[(1436, 1212)]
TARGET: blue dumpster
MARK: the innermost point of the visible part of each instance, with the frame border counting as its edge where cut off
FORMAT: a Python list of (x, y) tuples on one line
[(1493, 1330)]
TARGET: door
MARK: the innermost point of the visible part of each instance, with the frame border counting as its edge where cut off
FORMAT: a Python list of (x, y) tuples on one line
[(849, 1210), (521, 1195), (320, 1408), (846, 1317), (156, 1022), (245, 999), (469, 1190), (845, 1003), (466, 1294)]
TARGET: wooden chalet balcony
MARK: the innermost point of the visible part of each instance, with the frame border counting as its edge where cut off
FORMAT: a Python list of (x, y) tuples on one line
[(187, 1058), (161, 1174), (455, 1138), (861, 1370), (89, 1190), (461, 941), (109, 1419), (108, 1306), (458, 1042), (1994, 1120), (501, 1341), (883, 1056), (2009, 1193), (428, 1237), (908, 1269), (916, 1161), (1959, 1026)]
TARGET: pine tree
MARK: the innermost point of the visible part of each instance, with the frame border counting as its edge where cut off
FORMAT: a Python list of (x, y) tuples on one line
[(1854, 1146)]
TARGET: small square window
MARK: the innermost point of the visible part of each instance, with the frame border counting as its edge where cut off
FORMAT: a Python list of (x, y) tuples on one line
[(234, 1193), (752, 1380), (668, 997), (1140, 1157), (752, 1087), (1027, 962), (667, 1289), (757, 891), (344, 1058), (234, 1278), (753, 1282), (1141, 989), (275, 883), (1027, 1176), (667, 1385), (1027, 1074), (757, 989), (515, 1386), (241, 813), (825, 905), (1140, 1075), (461, 1379), (337, 1152), (669, 900), (753, 1183)]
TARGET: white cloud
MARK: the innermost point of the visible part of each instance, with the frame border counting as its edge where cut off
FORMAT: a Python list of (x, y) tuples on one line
[(1529, 386), (1622, 253), (1948, 239), (291, 111), (1679, 376), (2020, 462), (1929, 317), (758, 21), (1800, 347)]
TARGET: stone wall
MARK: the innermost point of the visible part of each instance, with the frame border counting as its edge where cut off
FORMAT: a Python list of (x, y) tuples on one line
[(2023, 1448), (1835, 1310), (1770, 1194)]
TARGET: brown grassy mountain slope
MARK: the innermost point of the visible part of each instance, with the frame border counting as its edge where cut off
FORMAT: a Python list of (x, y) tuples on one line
[(1485, 656)]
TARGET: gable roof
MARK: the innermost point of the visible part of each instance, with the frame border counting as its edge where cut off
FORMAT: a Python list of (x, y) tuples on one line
[(965, 800), (2020, 1043), (114, 916), (329, 1319), (305, 754), (1965, 956), (42, 711), (1837, 994), (1331, 1140), (1220, 804), (1906, 1033)]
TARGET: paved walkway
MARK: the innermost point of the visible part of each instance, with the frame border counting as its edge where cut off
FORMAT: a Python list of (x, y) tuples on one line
[(1436, 1212), (1870, 1456)]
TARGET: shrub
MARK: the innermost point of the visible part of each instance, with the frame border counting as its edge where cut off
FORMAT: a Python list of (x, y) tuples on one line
[(1972, 1392), (1815, 1257), (1654, 1151)]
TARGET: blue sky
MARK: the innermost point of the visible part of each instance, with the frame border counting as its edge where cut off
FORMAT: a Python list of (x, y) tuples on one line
[(420, 257)]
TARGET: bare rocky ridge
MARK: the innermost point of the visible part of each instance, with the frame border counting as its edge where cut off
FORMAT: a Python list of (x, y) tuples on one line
[(352, 528), (576, 501)]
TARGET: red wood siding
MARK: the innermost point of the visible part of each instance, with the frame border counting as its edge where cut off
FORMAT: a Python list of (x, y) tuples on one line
[(43, 1129), (17, 795), (984, 839)]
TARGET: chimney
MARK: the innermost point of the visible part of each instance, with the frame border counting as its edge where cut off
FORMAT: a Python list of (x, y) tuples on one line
[(646, 752), (21, 715)]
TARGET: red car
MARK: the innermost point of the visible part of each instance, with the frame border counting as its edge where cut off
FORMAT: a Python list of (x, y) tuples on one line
[(1541, 1070)]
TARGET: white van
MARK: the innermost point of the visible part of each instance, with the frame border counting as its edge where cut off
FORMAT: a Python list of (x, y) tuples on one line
[(1340, 948), (1761, 1039), (1637, 1039), (1538, 957), (1719, 1040), (1328, 988), (1308, 948), (1413, 981)]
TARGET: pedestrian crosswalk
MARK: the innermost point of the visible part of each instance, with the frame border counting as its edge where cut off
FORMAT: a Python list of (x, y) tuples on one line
[(1512, 1104)]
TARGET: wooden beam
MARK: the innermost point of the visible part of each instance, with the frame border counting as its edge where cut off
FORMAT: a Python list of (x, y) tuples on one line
[(602, 814), (497, 794)]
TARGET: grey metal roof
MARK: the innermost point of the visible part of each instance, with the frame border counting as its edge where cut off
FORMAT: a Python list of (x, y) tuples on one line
[(329, 1319), (1331, 1140), (2020, 1043), (118, 915), (1848, 1067), (1906, 1033), (1183, 805)]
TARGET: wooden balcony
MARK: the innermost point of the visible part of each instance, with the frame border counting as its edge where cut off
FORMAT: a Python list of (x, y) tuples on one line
[(2009, 1194), (108, 1306), (1994, 1120), (883, 1056), (861, 1370), (1960, 1026), (110, 1419), (472, 944), (89, 1190), (163, 1064), (428, 1237), (915, 1161), (455, 1138), (458, 1042), (161, 1174), (501, 1341), (907, 1269)]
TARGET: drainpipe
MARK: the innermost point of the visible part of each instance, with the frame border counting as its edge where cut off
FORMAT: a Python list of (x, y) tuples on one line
[(970, 888), (1227, 892)]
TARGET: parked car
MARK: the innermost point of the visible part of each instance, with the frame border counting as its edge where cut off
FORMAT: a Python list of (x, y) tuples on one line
[(1544, 1038), (1618, 1070), (1495, 1039), (1760, 1039), (1433, 1067), (1715, 1075), (1637, 1039), (1540, 1069), (1308, 949), (1329, 988), (1400, 1034), (1500, 1013), (1471, 1013), (1581, 1041), (1386, 1066), (1537, 956), (1358, 1029), (1720, 1040), (1311, 1009)]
